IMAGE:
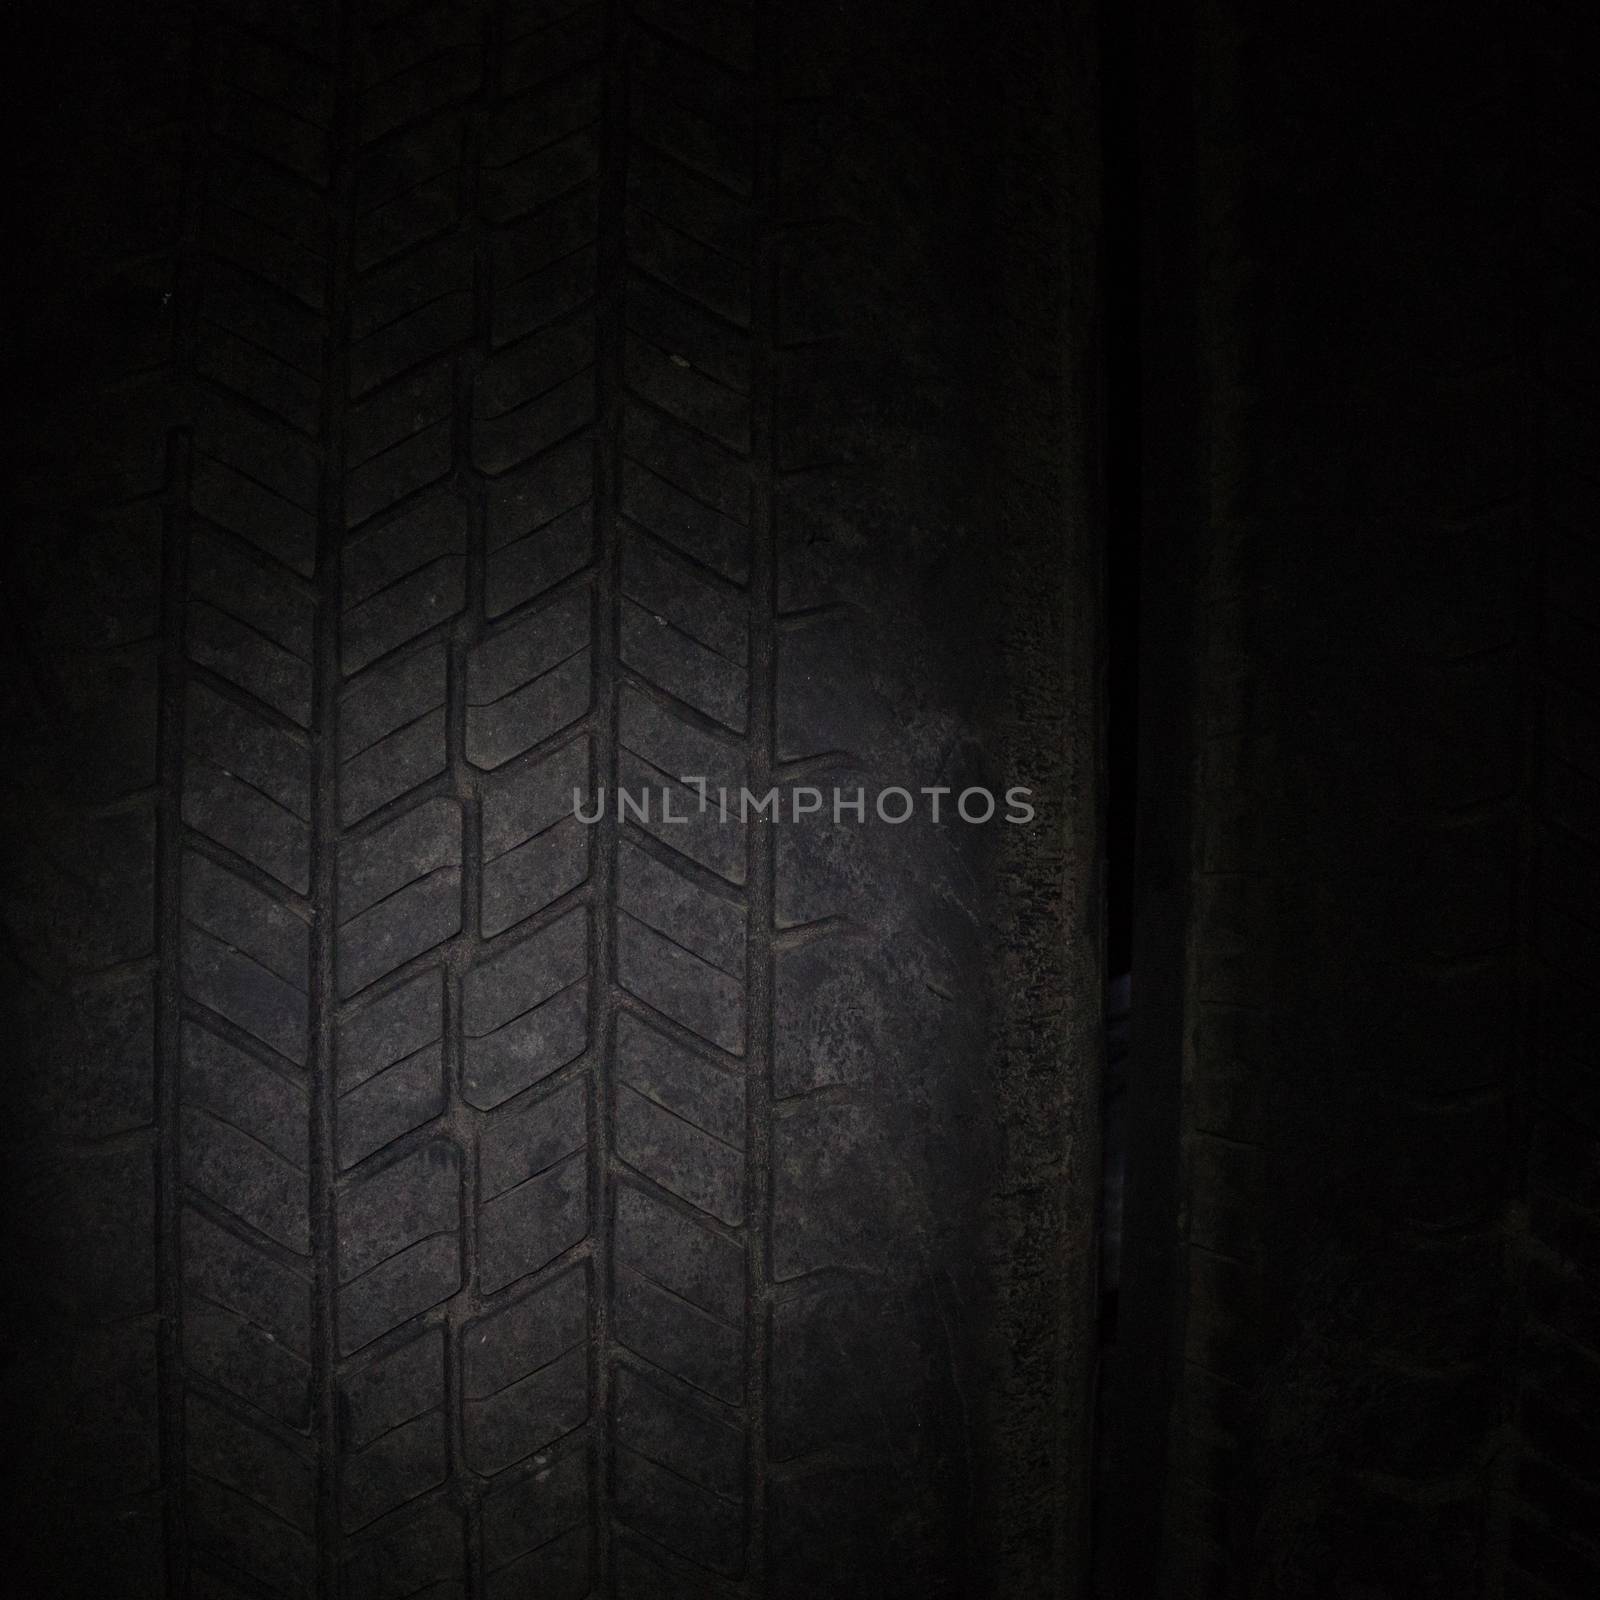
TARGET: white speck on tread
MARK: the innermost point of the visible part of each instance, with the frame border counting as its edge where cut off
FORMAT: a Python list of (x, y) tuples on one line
[(679, 361)]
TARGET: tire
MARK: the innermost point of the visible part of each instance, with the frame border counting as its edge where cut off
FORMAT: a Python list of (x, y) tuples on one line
[(1359, 1339), (431, 411)]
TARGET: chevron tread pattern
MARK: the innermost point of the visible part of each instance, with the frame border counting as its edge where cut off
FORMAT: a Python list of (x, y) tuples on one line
[(472, 1205)]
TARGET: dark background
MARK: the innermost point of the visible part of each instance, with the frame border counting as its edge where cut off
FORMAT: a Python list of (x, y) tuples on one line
[(1357, 1336)]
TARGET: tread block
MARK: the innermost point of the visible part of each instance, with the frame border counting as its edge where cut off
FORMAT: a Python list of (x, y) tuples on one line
[(526, 1516), (679, 1338), (685, 522), (680, 1120), (414, 159), (710, 926), (376, 561), (550, 235), (251, 1462), (397, 1099), (698, 208), (529, 1414), (398, 411), (421, 600), (502, 442), (405, 468), (552, 45), (668, 378), (399, 1232), (693, 466), (424, 1556), (521, 802), (396, 1026), (640, 1578), (521, 372), (447, 80), (248, 1538), (534, 848), (277, 326), (525, 569), (666, 1429), (399, 893), (701, 835), (266, 1105), (407, 1461), (230, 1351), (680, 985), (525, 123), (274, 384), (530, 1139), (514, 981), (391, 731), (679, 1514), (680, 261), (237, 816), (264, 128), (261, 987), (259, 479), (241, 243), (718, 29), (522, 502), (525, 1374), (528, 1226), (543, 295), (521, 186), (532, 875), (559, 1570), (689, 333), (234, 650), (415, 334), (252, 592), (529, 681), (263, 190), (672, 813), (413, 37), (719, 148), (268, 758), (270, 72), (244, 918), (681, 1255), (221, 1268), (527, 1048), (395, 1388), (679, 1295), (244, 1178), (706, 613)]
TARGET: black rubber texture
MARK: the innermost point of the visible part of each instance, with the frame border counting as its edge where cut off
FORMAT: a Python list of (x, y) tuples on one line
[(1359, 1339), (428, 409)]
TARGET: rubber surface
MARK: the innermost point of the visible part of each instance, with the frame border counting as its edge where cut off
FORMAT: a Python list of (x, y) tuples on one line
[(429, 410), (1360, 1334)]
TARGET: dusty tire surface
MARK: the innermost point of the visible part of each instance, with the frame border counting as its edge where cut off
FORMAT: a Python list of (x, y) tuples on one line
[(425, 412)]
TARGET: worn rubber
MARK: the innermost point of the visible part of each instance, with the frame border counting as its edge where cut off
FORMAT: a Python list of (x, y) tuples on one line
[(1359, 1335), (431, 409)]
